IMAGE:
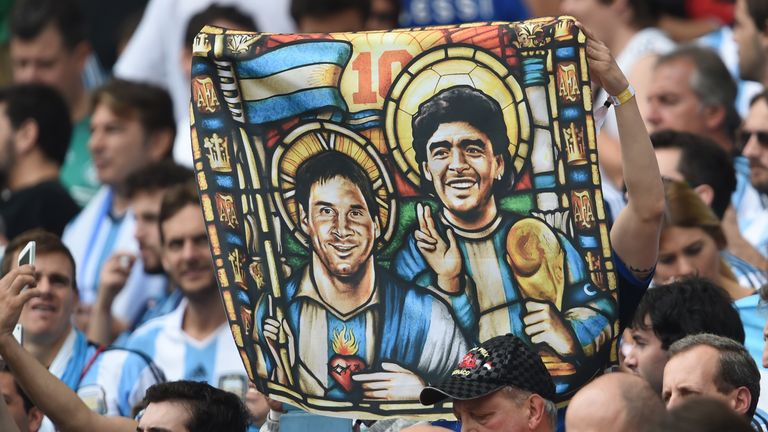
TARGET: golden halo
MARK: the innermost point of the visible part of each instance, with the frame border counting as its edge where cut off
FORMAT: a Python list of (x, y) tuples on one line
[(313, 138), (441, 68)]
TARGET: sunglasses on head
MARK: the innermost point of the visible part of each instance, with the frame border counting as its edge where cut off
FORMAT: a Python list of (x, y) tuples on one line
[(743, 136)]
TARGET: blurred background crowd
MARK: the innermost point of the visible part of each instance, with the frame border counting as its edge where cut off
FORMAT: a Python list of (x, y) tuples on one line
[(95, 151)]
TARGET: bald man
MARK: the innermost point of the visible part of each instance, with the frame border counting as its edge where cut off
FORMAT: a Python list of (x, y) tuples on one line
[(627, 403)]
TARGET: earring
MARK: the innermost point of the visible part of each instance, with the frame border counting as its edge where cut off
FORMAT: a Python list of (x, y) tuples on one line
[(498, 177)]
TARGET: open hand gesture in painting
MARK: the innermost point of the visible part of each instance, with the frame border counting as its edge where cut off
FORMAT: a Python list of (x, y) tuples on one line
[(272, 333), (545, 325), (393, 383), (443, 257)]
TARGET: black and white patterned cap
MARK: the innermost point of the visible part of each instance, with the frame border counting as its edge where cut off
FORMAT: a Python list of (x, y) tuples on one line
[(496, 363)]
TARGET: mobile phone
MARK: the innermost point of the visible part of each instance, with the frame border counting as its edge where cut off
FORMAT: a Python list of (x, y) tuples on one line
[(18, 334), (27, 256)]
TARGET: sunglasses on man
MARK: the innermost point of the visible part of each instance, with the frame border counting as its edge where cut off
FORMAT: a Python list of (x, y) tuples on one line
[(743, 136)]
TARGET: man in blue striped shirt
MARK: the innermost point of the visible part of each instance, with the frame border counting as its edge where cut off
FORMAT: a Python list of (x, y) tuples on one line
[(145, 189), (131, 126), (109, 380), (194, 341)]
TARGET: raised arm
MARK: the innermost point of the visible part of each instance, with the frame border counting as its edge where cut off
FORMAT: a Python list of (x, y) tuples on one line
[(635, 233), (52, 396)]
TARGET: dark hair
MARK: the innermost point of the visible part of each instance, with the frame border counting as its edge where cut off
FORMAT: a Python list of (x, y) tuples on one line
[(461, 104), (29, 18), (324, 8), (330, 164), (704, 414), (174, 200), (645, 13), (710, 81), (46, 242), (217, 12), (736, 367), (28, 404), (702, 162), (762, 96), (675, 8), (210, 409), (157, 176), (688, 306), (150, 104), (47, 108), (758, 11)]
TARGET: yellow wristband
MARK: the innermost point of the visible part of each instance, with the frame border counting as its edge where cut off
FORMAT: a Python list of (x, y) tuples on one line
[(624, 96)]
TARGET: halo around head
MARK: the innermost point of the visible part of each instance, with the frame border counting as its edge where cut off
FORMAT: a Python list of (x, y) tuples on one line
[(442, 68), (313, 138)]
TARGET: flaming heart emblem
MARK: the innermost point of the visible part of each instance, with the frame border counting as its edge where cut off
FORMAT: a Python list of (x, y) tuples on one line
[(345, 362)]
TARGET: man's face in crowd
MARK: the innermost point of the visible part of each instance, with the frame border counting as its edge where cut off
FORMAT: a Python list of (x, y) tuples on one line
[(45, 59), (686, 252), (26, 422), (752, 48), (164, 417), (186, 255), (672, 104), (342, 229), (756, 150), (118, 145), (146, 208), (462, 167), (497, 412), (47, 318), (646, 358), (694, 373)]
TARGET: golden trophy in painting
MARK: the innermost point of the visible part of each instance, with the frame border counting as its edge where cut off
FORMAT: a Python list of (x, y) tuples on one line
[(538, 261)]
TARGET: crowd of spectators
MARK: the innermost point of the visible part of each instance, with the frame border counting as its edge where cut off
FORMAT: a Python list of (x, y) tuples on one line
[(124, 329)]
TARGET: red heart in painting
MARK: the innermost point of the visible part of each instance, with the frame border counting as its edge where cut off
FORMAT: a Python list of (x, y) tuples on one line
[(342, 367)]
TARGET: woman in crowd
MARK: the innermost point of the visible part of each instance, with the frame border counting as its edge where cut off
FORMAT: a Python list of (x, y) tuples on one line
[(691, 243)]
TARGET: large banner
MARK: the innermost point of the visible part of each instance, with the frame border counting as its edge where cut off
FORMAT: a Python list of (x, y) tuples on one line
[(379, 202)]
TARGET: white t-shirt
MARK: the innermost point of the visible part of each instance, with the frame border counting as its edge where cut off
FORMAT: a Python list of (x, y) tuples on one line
[(153, 54)]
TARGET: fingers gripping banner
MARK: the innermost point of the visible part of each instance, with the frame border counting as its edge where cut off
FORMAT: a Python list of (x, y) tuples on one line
[(377, 203)]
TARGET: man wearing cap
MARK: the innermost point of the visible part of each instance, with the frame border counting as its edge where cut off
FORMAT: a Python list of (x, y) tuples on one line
[(501, 385)]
